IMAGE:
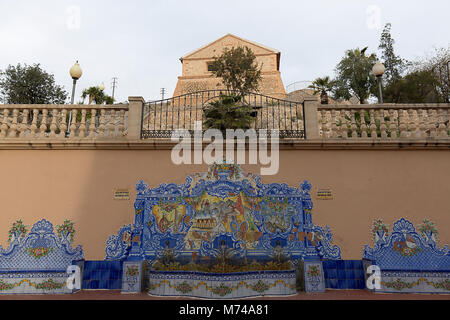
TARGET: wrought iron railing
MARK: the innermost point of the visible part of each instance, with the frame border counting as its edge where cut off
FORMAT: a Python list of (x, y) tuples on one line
[(160, 118)]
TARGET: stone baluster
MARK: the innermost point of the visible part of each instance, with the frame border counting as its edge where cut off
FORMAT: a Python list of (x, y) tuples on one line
[(24, 125), (362, 114), (393, 124), (383, 127), (34, 126), (53, 124), (353, 124), (92, 124), (403, 132), (412, 123), (373, 126), (442, 130), (422, 114), (13, 128), (122, 123), (43, 126), (101, 128), (63, 125), (112, 124), (343, 129), (333, 125), (73, 125), (432, 123), (4, 126), (82, 129)]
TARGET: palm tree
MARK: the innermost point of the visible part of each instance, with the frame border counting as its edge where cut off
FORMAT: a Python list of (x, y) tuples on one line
[(228, 112), (96, 95), (322, 85)]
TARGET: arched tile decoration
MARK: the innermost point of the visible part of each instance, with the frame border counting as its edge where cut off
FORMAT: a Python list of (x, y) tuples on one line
[(37, 262), (409, 261), (222, 206)]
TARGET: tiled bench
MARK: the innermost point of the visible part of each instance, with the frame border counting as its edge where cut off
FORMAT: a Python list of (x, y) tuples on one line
[(410, 262), (38, 263)]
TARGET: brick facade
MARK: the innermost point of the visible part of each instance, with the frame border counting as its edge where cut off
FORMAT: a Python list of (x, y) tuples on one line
[(195, 75)]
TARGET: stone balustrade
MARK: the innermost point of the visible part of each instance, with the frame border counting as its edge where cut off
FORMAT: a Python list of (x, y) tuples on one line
[(122, 122), (37, 121), (384, 121)]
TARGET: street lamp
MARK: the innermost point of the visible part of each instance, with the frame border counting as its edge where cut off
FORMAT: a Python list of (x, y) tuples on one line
[(378, 70), (75, 72), (102, 87)]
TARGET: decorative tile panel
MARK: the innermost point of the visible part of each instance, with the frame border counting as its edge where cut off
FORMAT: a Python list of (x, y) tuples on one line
[(314, 276), (132, 278), (409, 261), (222, 206), (407, 250), (221, 286), (37, 262)]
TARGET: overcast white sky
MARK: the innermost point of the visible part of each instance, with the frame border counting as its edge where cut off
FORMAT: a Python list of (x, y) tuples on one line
[(140, 42)]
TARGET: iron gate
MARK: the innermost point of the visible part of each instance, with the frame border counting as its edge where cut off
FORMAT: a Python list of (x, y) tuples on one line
[(160, 118)]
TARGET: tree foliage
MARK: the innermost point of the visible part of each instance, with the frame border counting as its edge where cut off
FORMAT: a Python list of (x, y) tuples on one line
[(322, 86), (228, 113), (96, 95), (354, 76), (29, 84), (238, 69), (438, 63), (394, 64), (240, 73), (416, 87)]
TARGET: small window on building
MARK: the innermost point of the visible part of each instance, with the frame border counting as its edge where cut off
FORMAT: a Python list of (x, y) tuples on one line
[(209, 66)]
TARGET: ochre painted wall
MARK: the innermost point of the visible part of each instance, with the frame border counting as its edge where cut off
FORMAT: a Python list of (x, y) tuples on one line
[(366, 184)]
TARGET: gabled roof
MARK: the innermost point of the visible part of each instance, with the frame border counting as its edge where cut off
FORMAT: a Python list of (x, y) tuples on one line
[(233, 36)]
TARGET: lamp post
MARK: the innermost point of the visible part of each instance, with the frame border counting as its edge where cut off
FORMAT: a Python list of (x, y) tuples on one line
[(75, 72), (378, 70)]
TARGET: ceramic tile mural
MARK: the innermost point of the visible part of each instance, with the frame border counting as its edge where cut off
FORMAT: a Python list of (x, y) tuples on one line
[(226, 213), (36, 262), (223, 205), (410, 260)]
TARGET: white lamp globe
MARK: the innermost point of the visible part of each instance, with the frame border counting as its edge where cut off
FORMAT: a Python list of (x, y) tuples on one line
[(75, 71), (378, 69)]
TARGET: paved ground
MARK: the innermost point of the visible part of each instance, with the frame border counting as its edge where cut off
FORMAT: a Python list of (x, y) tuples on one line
[(328, 295)]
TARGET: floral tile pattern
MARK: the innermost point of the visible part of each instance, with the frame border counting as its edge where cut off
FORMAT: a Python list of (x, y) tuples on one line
[(410, 260), (37, 261), (221, 286)]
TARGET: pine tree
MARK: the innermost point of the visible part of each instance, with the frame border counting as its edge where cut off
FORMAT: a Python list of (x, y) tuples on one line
[(394, 64)]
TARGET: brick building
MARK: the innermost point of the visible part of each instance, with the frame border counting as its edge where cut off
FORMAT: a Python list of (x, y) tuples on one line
[(196, 77)]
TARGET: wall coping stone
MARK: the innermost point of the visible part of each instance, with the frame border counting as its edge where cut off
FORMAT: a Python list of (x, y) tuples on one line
[(167, 144)]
